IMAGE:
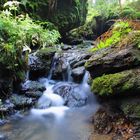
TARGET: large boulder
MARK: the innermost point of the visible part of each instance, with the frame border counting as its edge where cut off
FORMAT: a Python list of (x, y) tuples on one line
[(92, 29), (60, 66), (72, 96), (40, 63), (20, 101), (6, 108), (112, 60), (78, 74), (33, 89), (126, 82), (33, 86), (84, 32)]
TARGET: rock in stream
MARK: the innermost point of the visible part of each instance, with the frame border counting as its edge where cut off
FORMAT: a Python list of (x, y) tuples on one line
[(73, 97)]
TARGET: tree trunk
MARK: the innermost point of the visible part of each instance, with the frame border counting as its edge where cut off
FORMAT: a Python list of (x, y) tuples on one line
[(120, 3)]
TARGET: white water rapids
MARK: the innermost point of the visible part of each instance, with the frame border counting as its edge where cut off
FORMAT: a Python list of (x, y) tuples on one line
[(56, 122)]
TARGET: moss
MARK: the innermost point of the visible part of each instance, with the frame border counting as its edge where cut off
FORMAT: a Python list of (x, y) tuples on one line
[(131, 106), (66, 15), (88, 63), (47, 50), (112, 84), (129, 109), (46, 53), (97, 56), (87, 31), (69, 16)]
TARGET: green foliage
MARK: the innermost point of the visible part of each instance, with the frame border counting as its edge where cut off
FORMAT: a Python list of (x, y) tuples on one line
[(43, 36), (133, 38), (84, 32), (12, 6), (113, 10), (69, 15), (120, 29), (129, 13), (91, 13), (17, 33), (107, 9)]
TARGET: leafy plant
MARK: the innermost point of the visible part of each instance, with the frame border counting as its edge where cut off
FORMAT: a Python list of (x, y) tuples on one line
[(113, 36), (17, 32)]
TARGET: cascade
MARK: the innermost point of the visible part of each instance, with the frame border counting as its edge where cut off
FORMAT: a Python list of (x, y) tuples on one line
[(53, 66), (54, 103), (55, 115)]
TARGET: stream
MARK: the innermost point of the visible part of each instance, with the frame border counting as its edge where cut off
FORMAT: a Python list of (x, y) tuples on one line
[(58, 121)]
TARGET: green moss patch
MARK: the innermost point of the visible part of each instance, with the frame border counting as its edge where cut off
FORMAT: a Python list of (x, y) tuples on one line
[(112, 84)]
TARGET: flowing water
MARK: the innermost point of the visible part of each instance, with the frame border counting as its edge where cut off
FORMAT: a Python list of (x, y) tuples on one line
[(57, 122)]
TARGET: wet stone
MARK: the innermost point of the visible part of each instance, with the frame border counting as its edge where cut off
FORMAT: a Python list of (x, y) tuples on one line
[(66, 47), (72, 97), (33, 86), (6, 108), (20, 101), (34, 94), (78, 74)]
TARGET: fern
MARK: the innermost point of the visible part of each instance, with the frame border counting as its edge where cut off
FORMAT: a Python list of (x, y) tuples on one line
[(120, 29)]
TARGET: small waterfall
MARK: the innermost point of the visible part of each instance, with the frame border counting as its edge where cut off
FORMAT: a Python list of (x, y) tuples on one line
[(67, 75), (50, 103), (53, 66), (84, 85), (31, 59), (85, 78), (54, 103), (70, 79), (27, 76), (54, 99), (63, 103)]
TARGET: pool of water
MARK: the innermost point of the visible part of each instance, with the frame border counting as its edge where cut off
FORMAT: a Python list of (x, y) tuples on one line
[(74, 124)]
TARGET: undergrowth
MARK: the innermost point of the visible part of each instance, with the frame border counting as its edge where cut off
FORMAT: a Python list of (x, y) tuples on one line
[(18, 32), (122, 33)]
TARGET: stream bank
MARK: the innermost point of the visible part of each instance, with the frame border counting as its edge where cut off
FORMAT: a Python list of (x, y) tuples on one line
[(115, 80)]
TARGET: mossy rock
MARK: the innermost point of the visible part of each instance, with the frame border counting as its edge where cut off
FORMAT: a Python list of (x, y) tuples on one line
[(46, 53), (41, 63), (66, 15), (131, 107), (117, 84), (87, 31), (112, 60)]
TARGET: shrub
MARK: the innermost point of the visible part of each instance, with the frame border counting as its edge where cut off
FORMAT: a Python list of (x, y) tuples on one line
[(19, 32), (113, 36)]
